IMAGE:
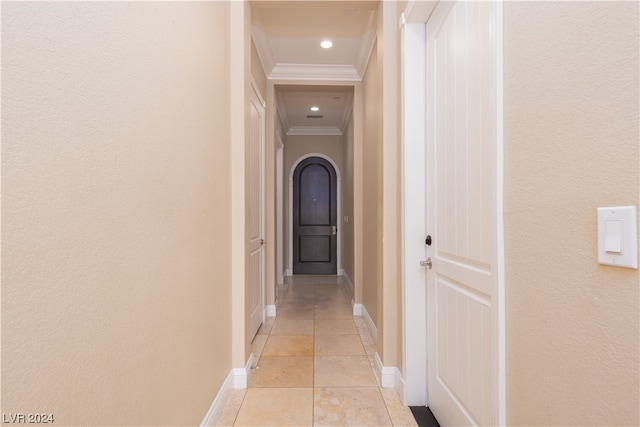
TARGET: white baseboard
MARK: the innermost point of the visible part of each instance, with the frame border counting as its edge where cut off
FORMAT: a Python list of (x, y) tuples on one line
[(361, 310), (218, 402), (240, 375), (348, 280), (271, 310), (389, 377), (357, 309), (288, 272)]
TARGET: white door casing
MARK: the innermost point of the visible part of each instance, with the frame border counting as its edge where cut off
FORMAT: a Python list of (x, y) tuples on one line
[(256, 290), (339, 209), (416, 18), (464, 211)]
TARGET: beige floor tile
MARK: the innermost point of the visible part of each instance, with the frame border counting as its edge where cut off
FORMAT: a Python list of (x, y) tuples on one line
[(276, 407), (400, 414), (361, 406), (338, 345), (333, 312), (288, 326), (288, 345), (283, 372), (335, 327), (343, 371), (303, 280), (296, 312)]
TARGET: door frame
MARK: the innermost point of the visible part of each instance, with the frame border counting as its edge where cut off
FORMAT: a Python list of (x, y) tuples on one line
[(263, 268), (413, 61), (338, 210)]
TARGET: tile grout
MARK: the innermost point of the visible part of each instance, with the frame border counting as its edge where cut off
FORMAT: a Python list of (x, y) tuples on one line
[(334, 296)]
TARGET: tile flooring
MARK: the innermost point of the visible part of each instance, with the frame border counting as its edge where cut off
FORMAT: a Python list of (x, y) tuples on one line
[(313, 365)]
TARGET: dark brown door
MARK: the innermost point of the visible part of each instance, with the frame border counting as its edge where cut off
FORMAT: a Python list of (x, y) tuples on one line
[(314, 217)]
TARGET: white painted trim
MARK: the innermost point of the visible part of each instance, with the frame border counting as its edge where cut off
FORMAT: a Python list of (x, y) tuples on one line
[(357, 309), (499, 292), (236, 379), (419, 12), (367, 42), (240, 375), (279, 209), (387, 376), (219, 401), (271, 310), (361, 310), (263, 47), (338, 207), (348, 280), (314, 72), (413, 202), (401, 386), (288, 272)]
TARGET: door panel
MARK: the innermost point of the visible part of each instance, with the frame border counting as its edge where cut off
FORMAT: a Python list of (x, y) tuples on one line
[(255, 297), (461, 196), (314, 217)]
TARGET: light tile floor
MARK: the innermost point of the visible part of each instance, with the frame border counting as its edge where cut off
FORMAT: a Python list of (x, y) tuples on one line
[(313, 365)]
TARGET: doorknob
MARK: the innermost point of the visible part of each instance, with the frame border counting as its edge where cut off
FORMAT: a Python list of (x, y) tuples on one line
[(426, 263)]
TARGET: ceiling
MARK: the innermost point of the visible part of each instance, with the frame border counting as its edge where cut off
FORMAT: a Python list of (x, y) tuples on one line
[(287, 36)]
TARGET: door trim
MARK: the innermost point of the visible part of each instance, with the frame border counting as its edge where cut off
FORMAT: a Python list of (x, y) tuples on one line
[(257, 96), (338, 208), (414, 21)]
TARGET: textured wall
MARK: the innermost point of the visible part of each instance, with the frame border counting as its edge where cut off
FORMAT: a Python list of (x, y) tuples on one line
[(115, 277), (372, 136), (347, 205), (571, 145)]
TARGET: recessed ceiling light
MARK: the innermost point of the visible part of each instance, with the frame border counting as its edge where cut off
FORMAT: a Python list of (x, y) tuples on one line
[(315, 109), (326, 44)]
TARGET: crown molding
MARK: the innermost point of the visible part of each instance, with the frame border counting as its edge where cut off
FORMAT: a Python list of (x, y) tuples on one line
[(263, 47), (314, 130), (367, 41), (282, 112), (314, 72), (346, 112)]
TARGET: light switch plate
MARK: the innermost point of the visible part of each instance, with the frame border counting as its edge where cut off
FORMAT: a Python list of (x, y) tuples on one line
[(618, 236)]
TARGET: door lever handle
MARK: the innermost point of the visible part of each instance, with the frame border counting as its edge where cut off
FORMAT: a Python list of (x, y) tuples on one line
[(426, 263), (334, 230)]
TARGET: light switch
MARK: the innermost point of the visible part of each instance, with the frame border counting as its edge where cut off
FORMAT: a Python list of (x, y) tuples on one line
[(613, 236), (618, 236)]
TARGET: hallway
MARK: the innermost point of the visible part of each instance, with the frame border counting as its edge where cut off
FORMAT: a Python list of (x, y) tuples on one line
[(314, 365)]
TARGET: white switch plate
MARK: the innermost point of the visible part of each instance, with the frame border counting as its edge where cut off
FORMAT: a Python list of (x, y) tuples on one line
[(618, 236)]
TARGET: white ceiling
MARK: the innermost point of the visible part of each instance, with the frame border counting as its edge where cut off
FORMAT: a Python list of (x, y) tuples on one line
[(287, 35)]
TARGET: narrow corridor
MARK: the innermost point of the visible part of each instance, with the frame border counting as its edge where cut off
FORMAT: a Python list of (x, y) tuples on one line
[(314, 365)]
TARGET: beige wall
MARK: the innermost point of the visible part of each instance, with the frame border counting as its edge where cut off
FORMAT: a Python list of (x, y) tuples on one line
[(115, 166), (571, 146), (371, 193), (347, 202)]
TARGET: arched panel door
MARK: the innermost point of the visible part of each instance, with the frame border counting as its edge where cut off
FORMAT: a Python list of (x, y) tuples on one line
[(314, 217)]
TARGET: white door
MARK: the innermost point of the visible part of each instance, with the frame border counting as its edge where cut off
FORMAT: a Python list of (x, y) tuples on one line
[(462, 143), (256, 293)]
